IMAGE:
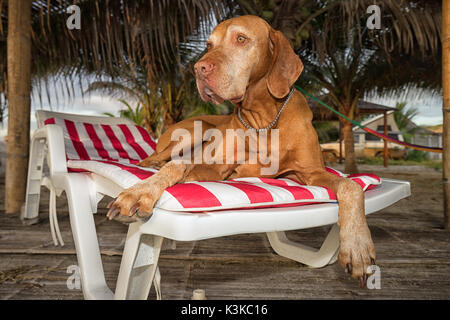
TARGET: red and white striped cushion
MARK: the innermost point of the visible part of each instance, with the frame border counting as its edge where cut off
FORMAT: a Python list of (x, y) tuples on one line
[(103, 147), (250, 193), (112, 151), (117, 143)]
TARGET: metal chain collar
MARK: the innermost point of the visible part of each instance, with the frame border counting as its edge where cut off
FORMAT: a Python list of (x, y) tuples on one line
[(270, 125)]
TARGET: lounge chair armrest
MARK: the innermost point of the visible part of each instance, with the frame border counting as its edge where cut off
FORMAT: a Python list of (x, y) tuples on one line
[(56, 156)]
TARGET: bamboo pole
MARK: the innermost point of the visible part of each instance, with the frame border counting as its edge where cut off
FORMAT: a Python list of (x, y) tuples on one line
[(385, 151), (340, 141), (446, 108), (19, 88)]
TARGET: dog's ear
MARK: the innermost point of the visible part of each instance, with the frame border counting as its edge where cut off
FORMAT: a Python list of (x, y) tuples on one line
[(286, 66)]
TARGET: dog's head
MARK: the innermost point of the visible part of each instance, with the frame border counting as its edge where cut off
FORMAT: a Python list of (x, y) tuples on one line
[(242, 51)]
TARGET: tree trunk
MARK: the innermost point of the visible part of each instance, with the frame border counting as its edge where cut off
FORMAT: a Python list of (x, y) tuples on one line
[(19, 87), (349, 144), (446, 108)]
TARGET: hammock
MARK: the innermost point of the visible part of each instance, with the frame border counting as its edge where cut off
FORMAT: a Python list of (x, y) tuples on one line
[(368, 130)]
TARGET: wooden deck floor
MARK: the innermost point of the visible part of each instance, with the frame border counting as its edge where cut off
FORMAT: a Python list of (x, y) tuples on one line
[(413, 254)]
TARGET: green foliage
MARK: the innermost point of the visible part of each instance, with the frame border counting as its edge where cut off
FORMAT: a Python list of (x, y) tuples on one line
[(417, 155), (208, 108), (403, 118), (161, 102), (137, 115), (326, 131), (267, 15)]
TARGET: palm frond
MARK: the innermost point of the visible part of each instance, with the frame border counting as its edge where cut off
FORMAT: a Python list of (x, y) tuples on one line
[(116, 89)]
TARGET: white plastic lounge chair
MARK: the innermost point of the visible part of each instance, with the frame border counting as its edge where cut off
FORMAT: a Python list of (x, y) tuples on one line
[(170, 219)]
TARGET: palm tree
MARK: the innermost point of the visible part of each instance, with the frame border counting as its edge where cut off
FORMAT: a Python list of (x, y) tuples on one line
[(136, 88), (353, 62), (135, 114), (403, 118), (161, 103)]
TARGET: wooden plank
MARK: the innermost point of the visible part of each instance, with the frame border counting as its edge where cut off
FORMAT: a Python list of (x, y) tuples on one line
[(412, 252), (46, 278)]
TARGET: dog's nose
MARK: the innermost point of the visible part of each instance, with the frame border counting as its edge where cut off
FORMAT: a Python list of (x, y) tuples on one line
[(203, 68)]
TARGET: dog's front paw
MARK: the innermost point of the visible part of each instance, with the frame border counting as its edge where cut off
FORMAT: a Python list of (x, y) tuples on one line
[(357, 252), (134, 203), (151, 163)]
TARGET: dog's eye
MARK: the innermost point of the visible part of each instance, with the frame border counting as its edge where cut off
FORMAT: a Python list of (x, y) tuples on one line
[(208, 46), (241, 39)]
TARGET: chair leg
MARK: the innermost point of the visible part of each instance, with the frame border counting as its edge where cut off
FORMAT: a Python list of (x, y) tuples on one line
[(79, 193), (314, 258), (139, 265)]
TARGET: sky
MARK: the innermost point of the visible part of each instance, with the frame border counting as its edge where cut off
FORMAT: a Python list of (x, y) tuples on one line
[(429, 107)]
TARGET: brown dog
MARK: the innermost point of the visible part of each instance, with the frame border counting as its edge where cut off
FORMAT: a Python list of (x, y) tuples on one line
[(254, 66)]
